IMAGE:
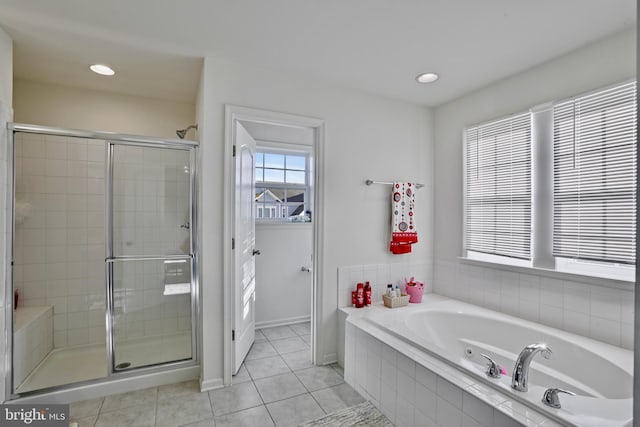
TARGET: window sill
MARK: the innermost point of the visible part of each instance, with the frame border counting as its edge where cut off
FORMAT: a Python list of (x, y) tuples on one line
[(590, 280)]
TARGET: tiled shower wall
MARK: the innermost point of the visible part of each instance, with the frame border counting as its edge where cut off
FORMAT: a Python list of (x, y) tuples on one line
[(151, 211), (60, 236), (602, 313)]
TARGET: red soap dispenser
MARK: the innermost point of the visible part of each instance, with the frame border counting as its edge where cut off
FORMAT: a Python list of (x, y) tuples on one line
[(367, 294), (360, 295)]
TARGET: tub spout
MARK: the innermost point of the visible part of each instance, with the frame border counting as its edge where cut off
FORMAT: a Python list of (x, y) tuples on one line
[(520, 378)]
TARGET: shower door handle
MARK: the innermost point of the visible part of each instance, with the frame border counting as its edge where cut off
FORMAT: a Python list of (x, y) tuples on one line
[(255, 252)]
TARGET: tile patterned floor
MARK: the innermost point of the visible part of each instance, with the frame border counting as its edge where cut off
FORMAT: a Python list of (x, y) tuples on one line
[(276, 386)]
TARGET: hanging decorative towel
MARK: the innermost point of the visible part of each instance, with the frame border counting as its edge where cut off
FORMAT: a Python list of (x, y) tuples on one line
[(403, 229)]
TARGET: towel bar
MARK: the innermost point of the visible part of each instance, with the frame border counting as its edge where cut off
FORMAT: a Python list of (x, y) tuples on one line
[(370, 182)]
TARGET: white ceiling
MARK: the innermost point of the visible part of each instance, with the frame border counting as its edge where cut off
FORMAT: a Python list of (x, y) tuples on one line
[(377, 46)]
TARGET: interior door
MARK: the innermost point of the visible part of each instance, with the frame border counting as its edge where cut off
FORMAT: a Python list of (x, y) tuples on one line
[(244, 252)]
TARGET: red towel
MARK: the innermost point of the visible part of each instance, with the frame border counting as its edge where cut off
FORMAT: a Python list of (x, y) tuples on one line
[(403, 229)]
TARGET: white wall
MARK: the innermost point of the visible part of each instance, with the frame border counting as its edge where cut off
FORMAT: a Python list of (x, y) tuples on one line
[(283, 292), (76, 108), (366, 137), (580, 306), (6, 113)]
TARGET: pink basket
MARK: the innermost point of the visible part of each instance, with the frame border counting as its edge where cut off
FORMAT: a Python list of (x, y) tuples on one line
[(415, 292)]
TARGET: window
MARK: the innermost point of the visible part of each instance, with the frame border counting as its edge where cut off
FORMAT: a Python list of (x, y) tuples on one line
[(594, 197), (282, 186), (585, 212), (498, 187)]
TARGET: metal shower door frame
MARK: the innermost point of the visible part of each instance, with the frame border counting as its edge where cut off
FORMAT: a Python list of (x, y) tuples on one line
[(109, 139), (111, 258)]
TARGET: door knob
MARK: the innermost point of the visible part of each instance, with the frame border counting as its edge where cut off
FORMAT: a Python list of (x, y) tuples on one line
[(255, 252), (306, 269)]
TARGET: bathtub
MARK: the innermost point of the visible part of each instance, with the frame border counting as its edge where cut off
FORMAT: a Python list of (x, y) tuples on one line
[(455, 333)]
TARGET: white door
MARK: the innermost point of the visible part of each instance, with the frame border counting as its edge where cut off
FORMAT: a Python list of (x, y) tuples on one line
[(244, 235)]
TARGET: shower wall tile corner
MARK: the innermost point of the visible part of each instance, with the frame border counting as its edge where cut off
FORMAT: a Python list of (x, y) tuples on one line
[(604, 314)]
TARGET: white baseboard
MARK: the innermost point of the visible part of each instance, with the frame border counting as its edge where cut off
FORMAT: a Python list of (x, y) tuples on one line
[(212, 384), (282, 322)]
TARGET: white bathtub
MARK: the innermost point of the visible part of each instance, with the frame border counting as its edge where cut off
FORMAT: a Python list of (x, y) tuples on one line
[(600, 374)]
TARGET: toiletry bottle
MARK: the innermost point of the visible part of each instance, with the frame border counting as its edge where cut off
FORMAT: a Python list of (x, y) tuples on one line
[(353, 298), (360, 295), (390, 290), (367, 293), (398, 293)]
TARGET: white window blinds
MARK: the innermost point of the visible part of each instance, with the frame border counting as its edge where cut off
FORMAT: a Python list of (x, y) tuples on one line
[(594, 144), (498, 187)]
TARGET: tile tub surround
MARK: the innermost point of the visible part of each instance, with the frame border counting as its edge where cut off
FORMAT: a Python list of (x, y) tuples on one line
[(32, 340), (602, 313), (414, 389), (379, 275), (258, 397)]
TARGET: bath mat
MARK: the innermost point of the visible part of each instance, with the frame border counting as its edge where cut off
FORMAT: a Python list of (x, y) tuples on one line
[(364, 414)]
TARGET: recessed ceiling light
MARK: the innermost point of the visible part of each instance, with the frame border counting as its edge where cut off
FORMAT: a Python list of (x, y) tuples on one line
[(105, 70), (427, 77)]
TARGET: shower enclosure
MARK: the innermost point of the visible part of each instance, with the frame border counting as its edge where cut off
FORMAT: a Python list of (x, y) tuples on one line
[(104, 277)]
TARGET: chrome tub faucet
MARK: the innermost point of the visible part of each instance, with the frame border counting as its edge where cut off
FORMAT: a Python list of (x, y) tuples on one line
[(520, 378)]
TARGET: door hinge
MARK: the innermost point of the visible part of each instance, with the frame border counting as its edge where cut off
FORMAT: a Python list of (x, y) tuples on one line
[(234, 151), (233, 335), (233, 243)]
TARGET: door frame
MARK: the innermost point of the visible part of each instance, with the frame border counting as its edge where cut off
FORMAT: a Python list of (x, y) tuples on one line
[(234, 113)]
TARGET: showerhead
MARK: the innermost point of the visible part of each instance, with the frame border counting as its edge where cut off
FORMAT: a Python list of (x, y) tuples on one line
[(183, 132)]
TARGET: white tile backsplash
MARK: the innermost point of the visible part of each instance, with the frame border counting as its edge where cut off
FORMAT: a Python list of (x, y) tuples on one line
[(379, 275), (602, 313)]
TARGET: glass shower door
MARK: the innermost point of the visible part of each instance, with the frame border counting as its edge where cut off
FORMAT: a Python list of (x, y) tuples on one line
[(150, 262)]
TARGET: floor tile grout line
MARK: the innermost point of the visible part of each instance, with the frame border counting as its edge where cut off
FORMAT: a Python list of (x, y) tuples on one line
[(155, 413), (316, 400), (240, 410), (213, 414), (270, 415), (286, 398)]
